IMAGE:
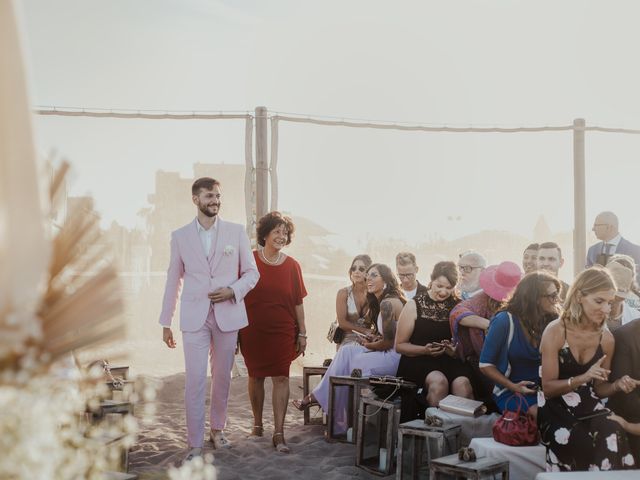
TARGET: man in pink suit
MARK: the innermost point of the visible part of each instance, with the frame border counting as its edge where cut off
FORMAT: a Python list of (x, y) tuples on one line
[(213, 258)]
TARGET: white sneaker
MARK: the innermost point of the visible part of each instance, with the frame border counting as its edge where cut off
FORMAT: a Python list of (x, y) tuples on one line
[(219, 440), (193, 453)]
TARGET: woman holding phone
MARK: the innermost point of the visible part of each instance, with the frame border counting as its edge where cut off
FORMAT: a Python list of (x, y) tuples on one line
[(424, 339), (576, 357)]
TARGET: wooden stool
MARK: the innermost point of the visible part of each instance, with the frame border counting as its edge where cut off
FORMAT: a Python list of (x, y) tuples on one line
[(480, 468), (306, 373), (375, 450), (111, 406), (355, 386), (413, 436)]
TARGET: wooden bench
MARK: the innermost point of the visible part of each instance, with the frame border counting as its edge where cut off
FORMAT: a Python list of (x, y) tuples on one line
[(355, 385), (483, 467), (471, 427), (307, 372)]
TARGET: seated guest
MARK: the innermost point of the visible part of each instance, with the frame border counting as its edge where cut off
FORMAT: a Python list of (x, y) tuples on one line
[(469, 319), (621, 312), (424, 339), (351, 301), (374, 355), (550, 260), (626, 361), (576, 355), (510, 356), (407, 270), (470, 265), (530, 258), (629, 262)]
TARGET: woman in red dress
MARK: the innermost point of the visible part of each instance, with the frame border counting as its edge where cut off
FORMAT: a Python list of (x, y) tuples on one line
[(276, 334)]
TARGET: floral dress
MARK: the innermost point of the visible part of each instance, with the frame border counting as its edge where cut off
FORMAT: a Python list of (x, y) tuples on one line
[(572, 444)]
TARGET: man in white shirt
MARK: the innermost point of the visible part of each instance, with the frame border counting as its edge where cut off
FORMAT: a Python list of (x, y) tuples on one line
[(470, 265), (407, 271)]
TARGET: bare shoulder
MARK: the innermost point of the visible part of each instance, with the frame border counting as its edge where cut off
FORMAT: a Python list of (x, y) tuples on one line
[(554, 332), (608, 341), (343, 292)]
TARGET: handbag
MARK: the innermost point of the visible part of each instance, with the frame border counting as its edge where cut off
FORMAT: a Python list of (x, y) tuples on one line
[(515, 428), (335, 334), (388, 387)]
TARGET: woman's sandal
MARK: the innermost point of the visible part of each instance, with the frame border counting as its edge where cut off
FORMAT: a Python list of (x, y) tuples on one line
[(256, 431), (304, 404), (281, 447)]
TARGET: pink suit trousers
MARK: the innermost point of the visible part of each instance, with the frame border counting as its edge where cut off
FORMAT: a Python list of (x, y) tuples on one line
[(208, 341)]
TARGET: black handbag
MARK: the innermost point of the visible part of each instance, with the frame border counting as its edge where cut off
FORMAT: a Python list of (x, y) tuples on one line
[(335, 334), (389, 387)]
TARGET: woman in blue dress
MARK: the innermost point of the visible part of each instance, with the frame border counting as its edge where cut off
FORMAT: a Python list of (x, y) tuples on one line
[(510, 355)]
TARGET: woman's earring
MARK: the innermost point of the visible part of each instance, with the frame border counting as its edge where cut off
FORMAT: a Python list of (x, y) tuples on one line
[(385, 287)]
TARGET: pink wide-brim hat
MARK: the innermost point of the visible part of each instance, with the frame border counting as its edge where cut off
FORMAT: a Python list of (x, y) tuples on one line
[(498, 281)]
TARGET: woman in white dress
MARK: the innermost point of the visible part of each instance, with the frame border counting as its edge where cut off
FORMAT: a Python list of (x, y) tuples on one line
[(373, 355), (351, 302)]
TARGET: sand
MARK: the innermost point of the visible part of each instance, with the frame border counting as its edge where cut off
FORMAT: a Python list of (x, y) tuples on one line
[(161, 442)]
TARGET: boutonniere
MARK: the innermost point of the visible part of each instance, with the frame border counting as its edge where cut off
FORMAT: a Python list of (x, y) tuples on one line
[(228, 250)]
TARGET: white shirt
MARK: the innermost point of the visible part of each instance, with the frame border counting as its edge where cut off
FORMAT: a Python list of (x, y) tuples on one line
[(206, 236), (614, 241), (411, 293)]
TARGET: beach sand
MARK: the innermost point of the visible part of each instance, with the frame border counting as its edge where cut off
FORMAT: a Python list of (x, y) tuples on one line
[(161, 441)]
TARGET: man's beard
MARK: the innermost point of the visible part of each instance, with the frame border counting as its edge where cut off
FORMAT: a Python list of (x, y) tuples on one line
[(207, 212)]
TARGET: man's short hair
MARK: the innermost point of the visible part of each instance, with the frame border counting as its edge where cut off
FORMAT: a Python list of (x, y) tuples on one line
[(551, 245), (480, 260), (205, 182), (532, 246), (406, 258), (609, 218)]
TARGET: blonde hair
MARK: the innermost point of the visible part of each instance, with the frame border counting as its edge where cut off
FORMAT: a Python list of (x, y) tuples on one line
[(594, 279)]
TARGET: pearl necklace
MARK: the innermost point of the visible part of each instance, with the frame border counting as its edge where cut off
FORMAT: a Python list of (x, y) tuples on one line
[(264, 257)]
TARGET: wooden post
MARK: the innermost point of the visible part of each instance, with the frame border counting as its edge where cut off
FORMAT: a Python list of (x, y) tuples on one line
[(579, 209), (262, 165)]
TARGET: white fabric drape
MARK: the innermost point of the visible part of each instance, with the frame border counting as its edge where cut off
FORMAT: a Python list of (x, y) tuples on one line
[(24, 251)]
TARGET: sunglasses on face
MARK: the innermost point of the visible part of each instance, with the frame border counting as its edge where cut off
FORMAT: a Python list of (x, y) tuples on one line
[(355, 268), (466, 268), (373, 275)]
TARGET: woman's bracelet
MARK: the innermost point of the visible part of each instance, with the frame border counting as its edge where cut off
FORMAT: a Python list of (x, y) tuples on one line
[(302, 335), (569, 380)]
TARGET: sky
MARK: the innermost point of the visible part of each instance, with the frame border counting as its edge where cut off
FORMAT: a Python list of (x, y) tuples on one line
[(481, 63)]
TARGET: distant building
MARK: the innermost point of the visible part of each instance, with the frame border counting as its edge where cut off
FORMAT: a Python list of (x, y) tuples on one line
[(171, 205)]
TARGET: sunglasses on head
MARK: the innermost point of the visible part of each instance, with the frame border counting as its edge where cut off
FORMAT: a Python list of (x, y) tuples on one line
[(355, 268)]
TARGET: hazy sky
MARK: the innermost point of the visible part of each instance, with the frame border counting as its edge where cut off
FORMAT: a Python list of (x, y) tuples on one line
[(507, 63)]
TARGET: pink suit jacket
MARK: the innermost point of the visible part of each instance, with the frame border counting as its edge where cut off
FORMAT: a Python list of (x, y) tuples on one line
[(232, 265)]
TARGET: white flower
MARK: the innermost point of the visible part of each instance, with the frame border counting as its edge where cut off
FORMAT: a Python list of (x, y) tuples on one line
[(593, 468), (572, 399), (562, 436), (606, 464), (628, 460), (229, 249), (612, 442), (541, 399)]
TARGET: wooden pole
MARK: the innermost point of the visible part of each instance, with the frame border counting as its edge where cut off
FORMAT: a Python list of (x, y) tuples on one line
[(262, 165), (579, 203)]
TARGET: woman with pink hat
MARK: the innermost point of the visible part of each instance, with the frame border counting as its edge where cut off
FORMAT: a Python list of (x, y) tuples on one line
[(510, 355), (470, 319)]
